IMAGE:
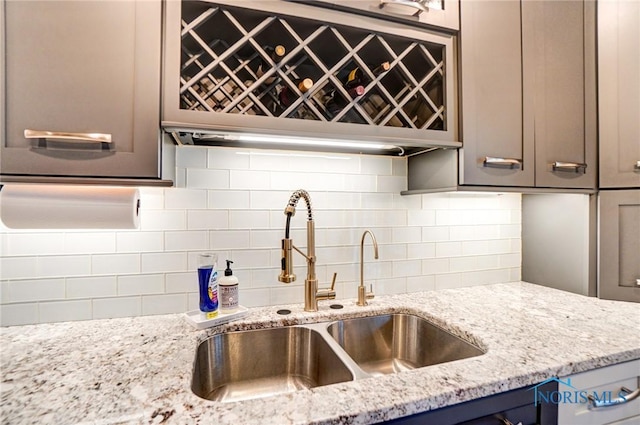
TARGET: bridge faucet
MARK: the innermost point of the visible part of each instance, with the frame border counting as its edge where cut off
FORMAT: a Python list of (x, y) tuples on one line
[(363, 295), (311, 292)]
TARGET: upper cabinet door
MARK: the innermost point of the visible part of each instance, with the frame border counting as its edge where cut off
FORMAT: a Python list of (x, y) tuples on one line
[(438, 13), (619, 92), (73, 69), (562, 39), (496, 151)]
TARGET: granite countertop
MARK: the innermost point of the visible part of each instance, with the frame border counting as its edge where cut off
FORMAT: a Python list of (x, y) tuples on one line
[(137, 370)]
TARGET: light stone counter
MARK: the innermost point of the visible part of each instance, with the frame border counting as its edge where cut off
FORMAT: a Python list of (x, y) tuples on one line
[(137, 370)]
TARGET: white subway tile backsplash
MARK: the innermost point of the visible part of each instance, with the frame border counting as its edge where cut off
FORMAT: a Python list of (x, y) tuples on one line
[(433, 266), (139, 242), (226, 159), (164, 304), (182, 199), (421, 217), (270, 199), (163, 220), (140, 284), (392, 183), (436, 234), (186, 241), (191, 157), (19, 314), (164, 262), (250, 220), (18, 267), (407, 268), (231, 202), (63, 265), (32, 244), (207, 179), (421, 250), (255, 297), (91, 287), (181, 282), (207, 219), (377, 166), (33, 290), (249, 180), (229, 239), (228, 199), (89, 243), (108, 308), (448, 249), (64, 311), (115, 264)]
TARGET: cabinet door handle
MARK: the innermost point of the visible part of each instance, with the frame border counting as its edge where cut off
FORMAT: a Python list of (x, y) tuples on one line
[(569, 166), (491, 161), (69, 137), (419, 5), (636, 167), (630, 395)]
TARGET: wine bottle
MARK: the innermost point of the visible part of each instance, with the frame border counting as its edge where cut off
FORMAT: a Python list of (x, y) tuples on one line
[(276, 53), (286, 96), (382, 68), (354, 76)]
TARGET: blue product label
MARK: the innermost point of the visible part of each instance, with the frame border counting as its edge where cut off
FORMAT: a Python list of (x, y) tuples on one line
[(208, 283)]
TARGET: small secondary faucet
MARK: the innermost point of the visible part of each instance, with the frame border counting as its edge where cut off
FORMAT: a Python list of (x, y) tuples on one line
[(363, 295), (311, 292)]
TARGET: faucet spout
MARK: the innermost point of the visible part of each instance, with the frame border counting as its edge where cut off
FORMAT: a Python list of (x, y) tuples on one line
[(312, 292), (363, 295)]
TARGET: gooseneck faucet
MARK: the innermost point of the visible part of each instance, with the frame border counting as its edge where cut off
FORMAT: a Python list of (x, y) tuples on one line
[(311, 292), (363, 295)]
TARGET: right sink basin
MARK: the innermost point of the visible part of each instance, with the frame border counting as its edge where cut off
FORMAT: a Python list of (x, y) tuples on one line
[(396, 342)]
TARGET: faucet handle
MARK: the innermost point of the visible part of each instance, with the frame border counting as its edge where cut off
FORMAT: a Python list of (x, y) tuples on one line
[(333, 281)]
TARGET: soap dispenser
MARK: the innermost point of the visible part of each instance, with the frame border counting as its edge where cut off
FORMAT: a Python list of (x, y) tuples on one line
[(228, 286)]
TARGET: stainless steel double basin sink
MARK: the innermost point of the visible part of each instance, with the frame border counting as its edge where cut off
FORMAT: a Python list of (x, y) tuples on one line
[(244, 365)]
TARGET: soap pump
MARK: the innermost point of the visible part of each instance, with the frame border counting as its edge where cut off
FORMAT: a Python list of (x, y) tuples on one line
[(228, 286)]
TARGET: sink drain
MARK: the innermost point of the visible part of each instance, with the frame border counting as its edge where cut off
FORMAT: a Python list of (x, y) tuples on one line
[(336, 306), (284, 312)]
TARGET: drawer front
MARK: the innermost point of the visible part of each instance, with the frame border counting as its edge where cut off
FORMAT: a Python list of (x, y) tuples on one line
[(605, 383)]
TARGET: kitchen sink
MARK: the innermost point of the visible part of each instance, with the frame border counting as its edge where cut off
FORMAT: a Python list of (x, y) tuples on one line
[(245, 365), (396, 342), (250, 364)]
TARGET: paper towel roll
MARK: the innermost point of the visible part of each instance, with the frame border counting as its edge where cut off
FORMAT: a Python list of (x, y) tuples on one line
[(48, 206)]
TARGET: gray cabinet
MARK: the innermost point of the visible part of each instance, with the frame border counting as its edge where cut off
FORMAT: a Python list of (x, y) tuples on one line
[(619, 93), (70, 70), (437, 13), (222, 80), (528, 94), (619, 245)]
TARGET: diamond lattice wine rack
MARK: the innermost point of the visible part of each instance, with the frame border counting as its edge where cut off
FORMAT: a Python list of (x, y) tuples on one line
[(242, 61)]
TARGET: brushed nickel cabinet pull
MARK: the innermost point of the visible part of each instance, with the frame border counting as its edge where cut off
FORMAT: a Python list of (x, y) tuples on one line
[(629, 395), (495, 162), (569, 167), (419, 5), (69, 137)]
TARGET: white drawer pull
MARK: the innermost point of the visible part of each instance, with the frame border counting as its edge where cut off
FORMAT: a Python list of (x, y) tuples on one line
[(630, 395)]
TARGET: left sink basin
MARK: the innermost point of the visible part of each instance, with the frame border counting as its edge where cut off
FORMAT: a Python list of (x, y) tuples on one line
[(244, 365)]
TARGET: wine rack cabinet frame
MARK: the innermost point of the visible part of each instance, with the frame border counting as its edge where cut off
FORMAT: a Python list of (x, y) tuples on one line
[(211, 81)]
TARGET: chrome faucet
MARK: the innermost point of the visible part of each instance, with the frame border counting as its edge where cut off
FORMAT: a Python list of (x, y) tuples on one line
[(311, 292), (363, 295)]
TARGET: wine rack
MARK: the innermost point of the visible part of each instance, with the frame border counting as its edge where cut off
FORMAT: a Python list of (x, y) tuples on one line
[(226, 67)]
